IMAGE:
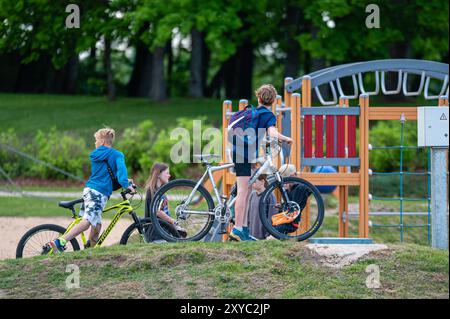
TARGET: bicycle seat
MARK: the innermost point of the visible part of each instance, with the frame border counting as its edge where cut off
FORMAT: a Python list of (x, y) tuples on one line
[(206, 157), (70, 204)]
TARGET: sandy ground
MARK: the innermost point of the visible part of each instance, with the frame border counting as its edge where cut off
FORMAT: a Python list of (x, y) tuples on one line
[(13, 228), (340, 255)]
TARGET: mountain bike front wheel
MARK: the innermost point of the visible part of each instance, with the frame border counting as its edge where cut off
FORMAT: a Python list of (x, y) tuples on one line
[(291, 209), (36, 241), (192, 207)]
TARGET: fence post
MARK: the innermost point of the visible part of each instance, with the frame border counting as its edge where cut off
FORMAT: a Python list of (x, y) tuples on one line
[(343, 190), (439, 203), (439, 193), (226, 108), (364, 166)]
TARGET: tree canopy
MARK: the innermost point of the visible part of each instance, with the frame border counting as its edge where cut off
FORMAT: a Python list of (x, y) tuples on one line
[(163, 48)]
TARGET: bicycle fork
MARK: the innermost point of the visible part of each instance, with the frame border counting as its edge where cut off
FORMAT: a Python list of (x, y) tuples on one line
[(138, 223)]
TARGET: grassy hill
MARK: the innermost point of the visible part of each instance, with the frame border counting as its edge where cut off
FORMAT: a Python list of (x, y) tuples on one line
[(265, 269), (83, 115)]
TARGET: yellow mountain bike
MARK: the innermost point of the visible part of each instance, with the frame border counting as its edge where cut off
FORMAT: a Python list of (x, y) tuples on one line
[(36, 241)]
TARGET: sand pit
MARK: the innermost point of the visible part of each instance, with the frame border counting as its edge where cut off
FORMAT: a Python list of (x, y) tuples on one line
[(13, 228)]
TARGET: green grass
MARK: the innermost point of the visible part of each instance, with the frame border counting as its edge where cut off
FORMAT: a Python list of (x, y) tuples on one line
[(28, 207), (43, 188), (83, 115), (269, 269)]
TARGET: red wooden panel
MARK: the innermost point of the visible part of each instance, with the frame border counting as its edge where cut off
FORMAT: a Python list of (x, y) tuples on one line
[(351, 136), (318, 119), (307, 133), (330, 136), (340, 136)]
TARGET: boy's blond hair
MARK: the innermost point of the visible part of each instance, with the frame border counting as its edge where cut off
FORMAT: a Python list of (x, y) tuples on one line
[(267, 94), (105, 134)]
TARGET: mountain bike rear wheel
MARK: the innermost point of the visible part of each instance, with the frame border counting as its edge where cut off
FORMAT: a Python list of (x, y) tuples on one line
[(296, 217), (35, 241)]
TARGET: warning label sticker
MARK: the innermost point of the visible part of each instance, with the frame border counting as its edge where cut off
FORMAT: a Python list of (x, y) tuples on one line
[(443, 117)]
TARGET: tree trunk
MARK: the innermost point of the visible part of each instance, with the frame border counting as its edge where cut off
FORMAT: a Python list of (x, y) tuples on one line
[(198, 64), (111, 93), (9, 71), (140, 81), (213, 89), (72, 75), (239, 72), (92, 61), (158, 88), (170, 63), (292, 62)]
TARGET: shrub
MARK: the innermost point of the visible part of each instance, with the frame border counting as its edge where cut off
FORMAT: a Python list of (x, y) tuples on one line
[(388, 133), (13, 164), (161, 149), (135, 141), (142, 146), (61, 150)]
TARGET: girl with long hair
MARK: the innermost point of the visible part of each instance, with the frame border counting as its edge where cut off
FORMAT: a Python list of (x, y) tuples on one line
[(159, 176)]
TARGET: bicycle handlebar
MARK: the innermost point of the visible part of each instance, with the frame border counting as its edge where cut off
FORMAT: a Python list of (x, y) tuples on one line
[(127, 191)]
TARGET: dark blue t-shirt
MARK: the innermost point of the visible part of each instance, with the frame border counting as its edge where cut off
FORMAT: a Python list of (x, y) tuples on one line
[(265, 120)]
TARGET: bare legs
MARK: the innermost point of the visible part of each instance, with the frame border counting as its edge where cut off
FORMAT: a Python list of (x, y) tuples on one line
[(241, 200), (95, 233), (81, 227), (77, 229)]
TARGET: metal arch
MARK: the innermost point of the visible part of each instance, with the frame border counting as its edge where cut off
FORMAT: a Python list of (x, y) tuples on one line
[(296, 84), (432, 69)]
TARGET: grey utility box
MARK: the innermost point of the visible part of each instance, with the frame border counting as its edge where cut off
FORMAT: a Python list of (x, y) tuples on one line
[(432, 126)]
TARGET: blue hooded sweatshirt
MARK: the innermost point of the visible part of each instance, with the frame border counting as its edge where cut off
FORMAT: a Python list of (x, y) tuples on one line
[(100, 180)]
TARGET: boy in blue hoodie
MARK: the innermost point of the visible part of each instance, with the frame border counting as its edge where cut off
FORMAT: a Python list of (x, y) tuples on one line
[(98, 188)]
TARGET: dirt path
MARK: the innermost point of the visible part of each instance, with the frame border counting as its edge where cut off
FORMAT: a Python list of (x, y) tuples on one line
[(13, 228)]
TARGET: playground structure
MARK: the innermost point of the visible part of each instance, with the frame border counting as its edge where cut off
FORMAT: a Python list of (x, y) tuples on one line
[(298, 118)]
